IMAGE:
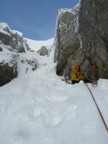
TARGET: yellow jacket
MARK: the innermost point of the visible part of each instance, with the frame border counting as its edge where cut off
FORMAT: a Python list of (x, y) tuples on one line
[(77, 75)]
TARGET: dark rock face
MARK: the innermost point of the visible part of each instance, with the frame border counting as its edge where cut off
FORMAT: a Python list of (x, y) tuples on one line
[(66, 40), (93, 30), (5, 38), (8, 71), (1, 49)]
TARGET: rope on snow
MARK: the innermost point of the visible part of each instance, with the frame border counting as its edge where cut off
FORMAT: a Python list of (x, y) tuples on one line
[(99, 111)]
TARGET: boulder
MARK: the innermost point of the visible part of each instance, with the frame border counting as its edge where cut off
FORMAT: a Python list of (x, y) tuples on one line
[(43, 51)]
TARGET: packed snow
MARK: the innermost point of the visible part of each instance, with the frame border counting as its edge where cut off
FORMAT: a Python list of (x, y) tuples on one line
[(39, 108), (36, 44)]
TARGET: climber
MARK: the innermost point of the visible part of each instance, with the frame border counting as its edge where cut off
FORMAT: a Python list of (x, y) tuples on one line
[(77, 76)]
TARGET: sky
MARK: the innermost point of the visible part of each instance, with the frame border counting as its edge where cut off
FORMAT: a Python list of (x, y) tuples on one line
[(36, 19)]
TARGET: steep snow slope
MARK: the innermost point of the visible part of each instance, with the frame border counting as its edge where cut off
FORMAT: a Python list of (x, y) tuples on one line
[(35, 45), (39, 108)]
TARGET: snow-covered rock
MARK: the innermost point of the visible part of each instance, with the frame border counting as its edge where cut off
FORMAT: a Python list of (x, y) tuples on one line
[(13, 39), (12, 47), (66, 41)]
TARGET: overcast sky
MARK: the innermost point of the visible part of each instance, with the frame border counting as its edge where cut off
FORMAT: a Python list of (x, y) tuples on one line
[(34, 18)]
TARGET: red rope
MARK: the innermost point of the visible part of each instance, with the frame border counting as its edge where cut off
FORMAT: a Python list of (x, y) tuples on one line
[(100, 113)]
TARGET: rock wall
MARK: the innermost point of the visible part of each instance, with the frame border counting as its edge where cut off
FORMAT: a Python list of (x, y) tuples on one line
[(93, 30), (89, 27), (66, 41)]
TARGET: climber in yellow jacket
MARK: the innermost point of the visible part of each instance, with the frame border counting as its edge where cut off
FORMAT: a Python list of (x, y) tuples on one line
[(77, 76)]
